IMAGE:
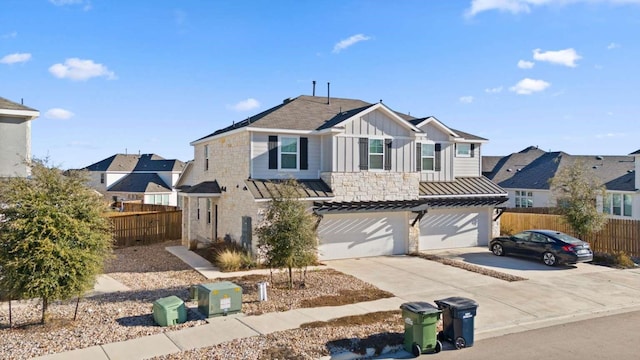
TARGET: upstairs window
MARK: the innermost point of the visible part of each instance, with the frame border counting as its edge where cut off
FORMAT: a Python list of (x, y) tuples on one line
[(289, 153), (206, 157), (524, 199), (428, 157), (102, 178), (463, 150), (376, 154)]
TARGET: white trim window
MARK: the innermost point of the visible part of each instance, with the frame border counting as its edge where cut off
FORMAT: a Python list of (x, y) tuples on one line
[(208, 211), (289, 153), (618, 204), (428, 157), (524, 199), (376, 154), (463, 150)]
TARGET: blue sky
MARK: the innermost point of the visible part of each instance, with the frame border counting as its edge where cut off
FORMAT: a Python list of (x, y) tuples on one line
[(151, 76)]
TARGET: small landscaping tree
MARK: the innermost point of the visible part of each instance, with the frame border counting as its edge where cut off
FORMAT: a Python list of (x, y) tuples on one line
[(288, 232), (54, 238), (577, 190)]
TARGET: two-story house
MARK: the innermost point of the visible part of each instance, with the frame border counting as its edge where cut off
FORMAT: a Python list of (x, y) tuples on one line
[(526, 175), (15, 138), (147, 178), (381, 182)]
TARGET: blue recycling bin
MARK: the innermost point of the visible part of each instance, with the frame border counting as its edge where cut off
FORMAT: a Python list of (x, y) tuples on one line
[(458, 315)]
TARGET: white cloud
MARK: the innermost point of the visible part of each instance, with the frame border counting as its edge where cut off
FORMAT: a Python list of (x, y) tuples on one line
[(613, 46), (343, 44), (525, 6), (15, 58), (611, 135), (87, 3), (466, 99), (78, 69), (58, 113), (10, 35), (246, 105), (528, 86), (494, 90), (566, 57), (523, 64)]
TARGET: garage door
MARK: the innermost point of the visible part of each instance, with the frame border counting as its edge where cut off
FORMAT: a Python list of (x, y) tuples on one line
[(454, 228), (344, 236)]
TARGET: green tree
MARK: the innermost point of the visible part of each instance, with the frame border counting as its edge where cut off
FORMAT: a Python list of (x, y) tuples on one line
[(578, 190), (54, 238), (288, 231)]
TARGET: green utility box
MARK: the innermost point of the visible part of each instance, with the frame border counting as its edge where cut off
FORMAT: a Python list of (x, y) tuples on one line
[(420, 333), (219, 299), (169, 311)]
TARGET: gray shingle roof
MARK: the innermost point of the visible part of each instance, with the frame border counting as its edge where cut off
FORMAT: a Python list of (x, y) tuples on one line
[(140, 183), (311, 113), (206, 187), (10, 105), (462, 187), (268, 189), (532, 168), (133, 163)]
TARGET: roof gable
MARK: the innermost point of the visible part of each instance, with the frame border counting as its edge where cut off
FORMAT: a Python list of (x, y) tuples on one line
[(136, 163), (422, 123), (13, 109), (140, 183)]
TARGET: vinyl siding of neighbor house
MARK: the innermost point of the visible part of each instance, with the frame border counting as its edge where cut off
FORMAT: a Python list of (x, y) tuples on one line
[(260, 158), (327, 152), (14, 147)]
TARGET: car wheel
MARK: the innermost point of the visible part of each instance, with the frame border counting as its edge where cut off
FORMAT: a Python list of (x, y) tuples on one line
[(497, 249), (460, 342), (549, 259)]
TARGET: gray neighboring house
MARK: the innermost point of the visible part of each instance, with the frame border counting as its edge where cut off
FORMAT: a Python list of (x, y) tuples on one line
[(148, 178), (380, 181), (15, 138), (526, 174)]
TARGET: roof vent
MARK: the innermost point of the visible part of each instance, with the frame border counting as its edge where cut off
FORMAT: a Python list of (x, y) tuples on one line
[(594, 167), (598, 157), (518, 169), (286, 100), (509, 170)]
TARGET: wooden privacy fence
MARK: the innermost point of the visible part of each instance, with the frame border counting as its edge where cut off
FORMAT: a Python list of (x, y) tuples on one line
[(148, 228), (617, 235)]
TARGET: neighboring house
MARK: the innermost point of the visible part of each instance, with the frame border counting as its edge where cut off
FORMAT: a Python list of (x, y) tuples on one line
[(526, 174), (148, 178), (381, 182), (15, 138)]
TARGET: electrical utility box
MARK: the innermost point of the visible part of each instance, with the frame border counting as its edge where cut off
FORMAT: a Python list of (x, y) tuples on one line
[(219, 299), (169, 311)]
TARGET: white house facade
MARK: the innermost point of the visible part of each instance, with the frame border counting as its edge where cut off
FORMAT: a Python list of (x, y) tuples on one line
[(379, 181)]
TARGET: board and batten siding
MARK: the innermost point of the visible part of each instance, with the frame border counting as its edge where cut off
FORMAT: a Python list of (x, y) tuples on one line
[(446, 168), (345, 155), (260, 158)]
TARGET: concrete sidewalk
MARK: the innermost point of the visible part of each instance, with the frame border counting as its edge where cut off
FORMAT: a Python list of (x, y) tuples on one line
[(504, 307)]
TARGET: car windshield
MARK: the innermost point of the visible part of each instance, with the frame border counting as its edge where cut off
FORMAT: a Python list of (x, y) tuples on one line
[(567, 238)]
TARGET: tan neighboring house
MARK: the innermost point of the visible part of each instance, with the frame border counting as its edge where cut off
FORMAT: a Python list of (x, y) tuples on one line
[(15, 138), (147, 178), (381, 182), (526, 174)]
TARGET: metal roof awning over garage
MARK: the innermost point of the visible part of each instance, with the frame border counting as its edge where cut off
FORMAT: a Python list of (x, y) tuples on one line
[(327, 207)]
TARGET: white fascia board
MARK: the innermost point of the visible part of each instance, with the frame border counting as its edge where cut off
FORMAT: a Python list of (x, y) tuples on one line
[(437, 123), (468, 141), (203, 140), (28, 114), (391, 114), (299, 199)]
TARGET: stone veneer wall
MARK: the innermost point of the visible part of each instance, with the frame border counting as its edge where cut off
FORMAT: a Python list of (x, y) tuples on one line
[(372, 186), (229, 163)]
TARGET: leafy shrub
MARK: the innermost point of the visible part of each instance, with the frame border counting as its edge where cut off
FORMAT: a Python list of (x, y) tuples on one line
[(622, 260)]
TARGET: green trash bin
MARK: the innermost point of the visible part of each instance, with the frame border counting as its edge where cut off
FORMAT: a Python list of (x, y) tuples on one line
[(169, 311), (420, 322)]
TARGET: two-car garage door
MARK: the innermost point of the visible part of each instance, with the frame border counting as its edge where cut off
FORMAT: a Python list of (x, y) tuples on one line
[(454, 228), (362, 234)]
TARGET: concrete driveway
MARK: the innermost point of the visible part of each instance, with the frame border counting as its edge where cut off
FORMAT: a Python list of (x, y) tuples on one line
[(550, 296)]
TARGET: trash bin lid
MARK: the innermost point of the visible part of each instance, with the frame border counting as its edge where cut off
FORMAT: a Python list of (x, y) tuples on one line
[(420, 307), (458, 302)]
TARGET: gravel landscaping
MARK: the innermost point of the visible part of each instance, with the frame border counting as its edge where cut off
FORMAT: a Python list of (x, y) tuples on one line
[(152, 273)]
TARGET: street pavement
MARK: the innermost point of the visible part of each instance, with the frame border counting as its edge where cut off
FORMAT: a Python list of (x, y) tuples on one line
[(550, 296)]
